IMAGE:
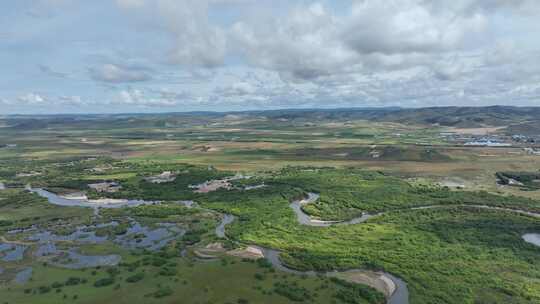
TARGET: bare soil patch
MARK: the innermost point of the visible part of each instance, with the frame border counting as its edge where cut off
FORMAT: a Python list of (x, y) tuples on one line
[(377, 280), (249, 252), (476, 131)]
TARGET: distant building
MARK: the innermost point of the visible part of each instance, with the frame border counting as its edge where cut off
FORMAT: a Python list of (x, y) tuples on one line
[(375, 154), (109, 187), (487, 142), (532, 151), (28, 174), (448, 134), (164, 177), (523, 138), (8, 146)]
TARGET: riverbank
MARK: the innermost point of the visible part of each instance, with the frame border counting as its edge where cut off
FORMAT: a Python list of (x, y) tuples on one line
[(305, 219)]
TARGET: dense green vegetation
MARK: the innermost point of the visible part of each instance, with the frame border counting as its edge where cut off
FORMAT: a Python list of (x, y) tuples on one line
[(451, 255), (22, 209), (348, 193), (416, 245), (383, 153), (354, 291), (525, 180)]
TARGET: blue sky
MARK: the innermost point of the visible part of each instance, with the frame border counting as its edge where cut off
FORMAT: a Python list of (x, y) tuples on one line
[(103, 56)]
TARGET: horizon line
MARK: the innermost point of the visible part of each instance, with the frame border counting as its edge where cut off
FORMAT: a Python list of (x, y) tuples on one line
[(274, 110)]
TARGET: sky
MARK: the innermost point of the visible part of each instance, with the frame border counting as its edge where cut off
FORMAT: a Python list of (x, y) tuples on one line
[(113, 56)]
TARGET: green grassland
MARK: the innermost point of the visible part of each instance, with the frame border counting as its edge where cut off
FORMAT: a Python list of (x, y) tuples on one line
[(222, 281), (348, 193), (21, 209)]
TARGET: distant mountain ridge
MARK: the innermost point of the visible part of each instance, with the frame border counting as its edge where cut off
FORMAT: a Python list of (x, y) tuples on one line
[(463, 117), (518, 119)]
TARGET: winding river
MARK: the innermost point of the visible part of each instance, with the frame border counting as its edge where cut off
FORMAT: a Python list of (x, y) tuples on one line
[(225, 220), (306, 219), (401, 294), (532, 238), (56, 199)]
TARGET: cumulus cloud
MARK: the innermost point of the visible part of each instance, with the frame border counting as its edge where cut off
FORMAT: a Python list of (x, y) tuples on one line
[(407, 26), (196, 41), (236, 89), (172, 96), (467, 7), (117, 74), (74, 100), (313, 41), (32, 99), (38, 100), (309, 41), (218, 54), (132, 96), (151, 98), (303, 44)]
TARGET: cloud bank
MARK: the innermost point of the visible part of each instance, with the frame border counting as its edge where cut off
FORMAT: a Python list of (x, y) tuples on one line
[(239, 54)]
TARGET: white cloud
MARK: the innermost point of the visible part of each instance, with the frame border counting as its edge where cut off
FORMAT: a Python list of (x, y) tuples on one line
[(32, 99), (218, 54), (407, 26), (195, 41), (311, 42), (132, 96), (73, 100), (5, 101), (236, 89), (303, 44), (140, 98)]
